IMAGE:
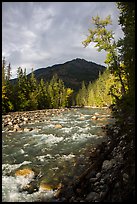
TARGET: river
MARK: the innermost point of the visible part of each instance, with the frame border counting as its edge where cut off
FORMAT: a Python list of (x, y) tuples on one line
[(52, 150)]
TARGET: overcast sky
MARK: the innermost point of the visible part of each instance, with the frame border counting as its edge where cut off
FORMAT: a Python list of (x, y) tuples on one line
[(41, 34)]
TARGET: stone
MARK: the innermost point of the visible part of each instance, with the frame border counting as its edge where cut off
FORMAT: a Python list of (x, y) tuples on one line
[(96, 184), (125, 177), (58, 126), (9, 123), (25, 119), (92, 196), (98, 175), (45, 187), (92, 180), (107, 165), (26, 172)]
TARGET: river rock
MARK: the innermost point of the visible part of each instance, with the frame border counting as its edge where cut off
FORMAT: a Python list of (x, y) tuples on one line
[(58, 126), (125, 177), (98, 175), (107, 164), (25, 119), (10, 123), (45, 187), (26, 172)]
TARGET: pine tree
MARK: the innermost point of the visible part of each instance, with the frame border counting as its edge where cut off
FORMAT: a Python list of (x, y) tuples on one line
[(21, 91), (3, 70), (42, 97), (8, 72)]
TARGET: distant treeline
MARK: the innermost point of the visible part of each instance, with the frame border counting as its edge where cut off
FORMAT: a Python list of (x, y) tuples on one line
[(27, 94)]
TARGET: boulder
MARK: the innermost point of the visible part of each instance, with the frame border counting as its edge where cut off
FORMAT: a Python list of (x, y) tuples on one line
[(26, 172), (58, 126), (45, 187), (108, 164)]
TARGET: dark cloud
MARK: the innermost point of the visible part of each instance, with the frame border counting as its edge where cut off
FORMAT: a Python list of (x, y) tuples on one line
[(41, 34)]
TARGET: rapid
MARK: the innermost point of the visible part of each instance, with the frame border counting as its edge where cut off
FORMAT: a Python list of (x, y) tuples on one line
[(50, 152)]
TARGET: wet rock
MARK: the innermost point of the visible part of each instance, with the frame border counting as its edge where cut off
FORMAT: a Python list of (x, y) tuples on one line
[(26, 172), (45, 187), (58, 126)]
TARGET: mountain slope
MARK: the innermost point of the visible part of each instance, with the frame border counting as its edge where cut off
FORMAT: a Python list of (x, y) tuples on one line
[(72, 72)]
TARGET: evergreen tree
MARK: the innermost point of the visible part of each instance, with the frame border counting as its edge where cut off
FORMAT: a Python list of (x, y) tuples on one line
[(32, 81), (32, 92), (42, 97), (3, 70), (21, 91), (127, 48), (58, 94), (8, 72), (7, 104)]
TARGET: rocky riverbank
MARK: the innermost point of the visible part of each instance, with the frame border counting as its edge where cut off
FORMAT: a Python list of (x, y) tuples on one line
[(110, 175), (17, 121)]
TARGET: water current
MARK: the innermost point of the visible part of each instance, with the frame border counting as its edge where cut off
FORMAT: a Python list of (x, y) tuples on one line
[(51, 150)]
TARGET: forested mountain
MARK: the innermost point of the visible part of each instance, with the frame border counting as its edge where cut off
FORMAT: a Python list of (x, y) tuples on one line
[(72, 73)]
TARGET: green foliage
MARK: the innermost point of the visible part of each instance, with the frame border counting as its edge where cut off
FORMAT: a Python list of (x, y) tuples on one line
[(127, 48), (97, 93), (58, 94), (3, 71), (27, 94), (42, 97), (7, 104), (81, 98), (120, 60), (104, 40)]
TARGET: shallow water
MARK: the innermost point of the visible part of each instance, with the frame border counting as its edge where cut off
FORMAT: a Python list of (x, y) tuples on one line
[(50, 151)]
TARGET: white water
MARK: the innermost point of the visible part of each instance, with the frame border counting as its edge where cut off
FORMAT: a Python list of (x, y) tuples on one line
[(49, 150)]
